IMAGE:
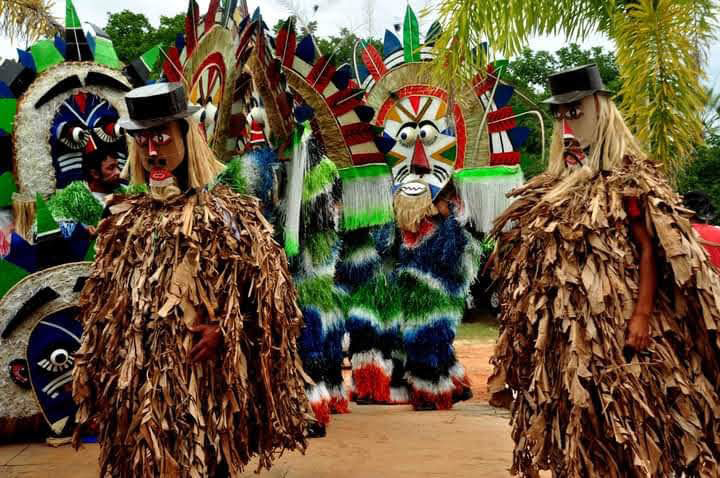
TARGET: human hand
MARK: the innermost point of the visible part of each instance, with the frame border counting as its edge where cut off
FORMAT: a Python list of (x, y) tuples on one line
[(210, 341), (638, 331)]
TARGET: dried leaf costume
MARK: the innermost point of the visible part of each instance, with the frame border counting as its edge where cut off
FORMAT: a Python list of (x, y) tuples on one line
[(585, 404), (205, 256)]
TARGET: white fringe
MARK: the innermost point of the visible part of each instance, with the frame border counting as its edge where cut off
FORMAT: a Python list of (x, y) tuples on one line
[(485, 199), (372, 357)]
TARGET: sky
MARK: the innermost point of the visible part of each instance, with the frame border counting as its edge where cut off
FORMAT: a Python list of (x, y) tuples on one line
[(331, 16)]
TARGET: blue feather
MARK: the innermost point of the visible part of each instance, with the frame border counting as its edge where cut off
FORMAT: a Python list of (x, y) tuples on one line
[(391, 44)]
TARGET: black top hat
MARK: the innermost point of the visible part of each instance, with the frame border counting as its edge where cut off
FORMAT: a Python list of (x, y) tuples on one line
[(575, 84), (153, 105)]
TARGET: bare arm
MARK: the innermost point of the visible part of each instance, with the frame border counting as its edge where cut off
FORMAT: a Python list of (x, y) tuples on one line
[(639, 325)]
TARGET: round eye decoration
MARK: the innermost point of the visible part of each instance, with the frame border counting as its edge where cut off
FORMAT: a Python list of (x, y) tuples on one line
[(75, 137), (428, 134), (407, 135), (58, 361)]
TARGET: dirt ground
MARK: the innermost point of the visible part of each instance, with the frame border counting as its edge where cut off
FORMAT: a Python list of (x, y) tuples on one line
[(472, 440)]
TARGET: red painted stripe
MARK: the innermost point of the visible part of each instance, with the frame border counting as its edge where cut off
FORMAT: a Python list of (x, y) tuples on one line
[(320, 74), (505, 159), (357, 133), (367, 158)]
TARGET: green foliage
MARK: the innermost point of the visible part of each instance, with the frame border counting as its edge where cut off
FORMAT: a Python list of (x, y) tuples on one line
[(703, 172), (132, 34), (661, 47), (76, 203), (342, 46)]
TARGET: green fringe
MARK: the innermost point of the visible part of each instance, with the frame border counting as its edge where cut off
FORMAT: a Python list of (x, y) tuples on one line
[(319, 179), (487, 172), (292, 246), (321, 246), (353, 220), (319, 292), (76, 203), (380, 296), (364, 172), (420, 300), (232, 176)]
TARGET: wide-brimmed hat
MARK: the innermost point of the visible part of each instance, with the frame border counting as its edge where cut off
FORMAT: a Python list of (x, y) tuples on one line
[(153, 105), (575, 84)]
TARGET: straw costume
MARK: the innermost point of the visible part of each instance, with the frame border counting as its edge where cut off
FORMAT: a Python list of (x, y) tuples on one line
[(610, 308), (188, 362)]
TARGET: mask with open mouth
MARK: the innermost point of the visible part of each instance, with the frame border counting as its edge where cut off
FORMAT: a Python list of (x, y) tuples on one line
[(162, 151), (574, 154)]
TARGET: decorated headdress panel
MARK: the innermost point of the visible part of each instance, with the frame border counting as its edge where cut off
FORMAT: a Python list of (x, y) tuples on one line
[(206, 58), (432, 137)]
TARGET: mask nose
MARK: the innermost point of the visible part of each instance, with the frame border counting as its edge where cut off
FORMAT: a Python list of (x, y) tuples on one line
[(419, 163), (568, 132), (90, 146), (152, 149)]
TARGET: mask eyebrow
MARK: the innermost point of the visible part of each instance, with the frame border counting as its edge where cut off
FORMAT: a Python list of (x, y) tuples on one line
[(69, 83), (429, 122), (95, 78)]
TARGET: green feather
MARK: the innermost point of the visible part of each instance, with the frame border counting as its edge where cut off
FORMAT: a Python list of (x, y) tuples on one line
[(411, 36)]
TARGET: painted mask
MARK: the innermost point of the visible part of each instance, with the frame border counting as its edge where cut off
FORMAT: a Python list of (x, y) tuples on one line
[(579, 123), (50, 361), (83, 123), (424, 151), (161, 150)]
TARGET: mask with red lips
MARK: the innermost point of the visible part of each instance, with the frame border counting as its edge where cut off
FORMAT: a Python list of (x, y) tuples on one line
[(162, 151)]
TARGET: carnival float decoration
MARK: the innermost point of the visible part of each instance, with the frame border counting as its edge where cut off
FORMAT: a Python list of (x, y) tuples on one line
[(59, 104)]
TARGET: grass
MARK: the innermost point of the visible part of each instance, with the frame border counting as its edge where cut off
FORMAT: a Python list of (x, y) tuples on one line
[(483, 328)]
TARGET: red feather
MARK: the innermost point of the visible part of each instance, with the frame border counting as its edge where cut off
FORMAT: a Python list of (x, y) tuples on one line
[(285, 44), (171, 66), (191, 22), (373, 61), (211, 14)]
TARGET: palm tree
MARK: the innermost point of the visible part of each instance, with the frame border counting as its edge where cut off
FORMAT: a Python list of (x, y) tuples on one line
[(711, 115), (27, 19), (661, 49)]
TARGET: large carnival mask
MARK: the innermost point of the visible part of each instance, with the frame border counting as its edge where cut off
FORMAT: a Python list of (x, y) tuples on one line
[(425, 148), (83, 123)]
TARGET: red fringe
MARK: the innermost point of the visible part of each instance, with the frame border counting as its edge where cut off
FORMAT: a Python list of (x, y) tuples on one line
[(420, 399), (321, 411), (371, 383), (339, 405)]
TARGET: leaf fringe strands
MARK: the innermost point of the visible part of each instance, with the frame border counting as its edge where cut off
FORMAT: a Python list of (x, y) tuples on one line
[(661, 51), (483, 192), (206, 257), (569, 280), (367, 196), (27, 19)]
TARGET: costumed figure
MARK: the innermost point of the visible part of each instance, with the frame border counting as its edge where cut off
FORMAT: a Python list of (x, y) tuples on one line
[(449, 162), (188, 363), (708, 234), (292, 165), (60, 149), (610, 307)]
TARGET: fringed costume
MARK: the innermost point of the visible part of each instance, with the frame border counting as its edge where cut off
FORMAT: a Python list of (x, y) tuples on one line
[(585, 406), (435, 268), (205, 256), (313, 255)]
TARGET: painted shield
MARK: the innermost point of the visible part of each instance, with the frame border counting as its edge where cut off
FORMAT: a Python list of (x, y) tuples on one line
[(50, 349)]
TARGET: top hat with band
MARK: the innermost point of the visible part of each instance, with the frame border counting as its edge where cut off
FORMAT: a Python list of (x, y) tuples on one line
[(575, 84), (156, 104)]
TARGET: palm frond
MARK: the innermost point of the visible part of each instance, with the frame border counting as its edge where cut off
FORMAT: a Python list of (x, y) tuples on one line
[(506, 26), (27, 19), (658, 56)]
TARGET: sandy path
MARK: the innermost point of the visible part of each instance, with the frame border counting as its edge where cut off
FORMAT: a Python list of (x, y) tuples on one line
[(472, 440)]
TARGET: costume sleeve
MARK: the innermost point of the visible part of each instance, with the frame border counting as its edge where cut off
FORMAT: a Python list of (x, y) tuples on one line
[(632, 208)]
